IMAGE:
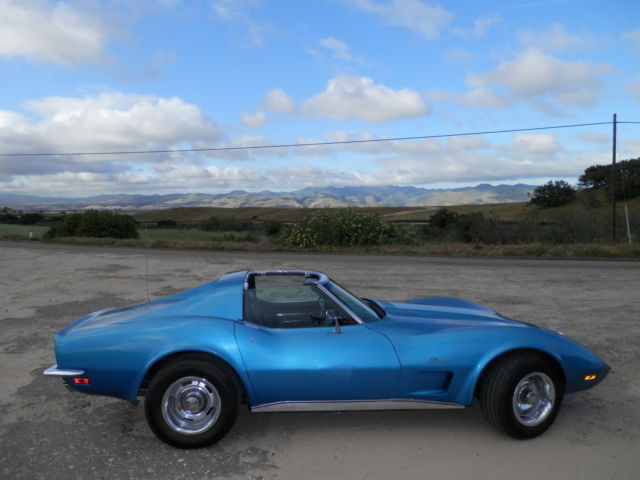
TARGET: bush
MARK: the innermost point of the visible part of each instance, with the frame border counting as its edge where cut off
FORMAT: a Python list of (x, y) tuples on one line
[(9, 218), (342, 227), (166, 223), (97, 224), (445, 225), (31, 218), (553, 194), (272, 228)]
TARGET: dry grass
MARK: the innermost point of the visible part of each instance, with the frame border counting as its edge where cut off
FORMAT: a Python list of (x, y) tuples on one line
[(535, 250)]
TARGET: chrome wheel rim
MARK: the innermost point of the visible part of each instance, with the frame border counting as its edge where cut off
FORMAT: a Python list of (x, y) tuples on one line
[(191, 405), (533, 399)]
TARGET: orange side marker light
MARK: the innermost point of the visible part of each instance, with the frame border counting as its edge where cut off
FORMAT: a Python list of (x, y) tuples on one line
[(589, 377)]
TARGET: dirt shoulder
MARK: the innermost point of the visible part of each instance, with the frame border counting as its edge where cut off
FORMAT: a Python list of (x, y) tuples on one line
[(47, 432)]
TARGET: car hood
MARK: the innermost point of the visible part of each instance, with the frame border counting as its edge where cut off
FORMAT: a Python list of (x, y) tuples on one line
[(441, 313)]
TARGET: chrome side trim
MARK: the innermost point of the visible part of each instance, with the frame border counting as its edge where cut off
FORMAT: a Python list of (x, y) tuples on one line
[(344, 405), (54, 371)]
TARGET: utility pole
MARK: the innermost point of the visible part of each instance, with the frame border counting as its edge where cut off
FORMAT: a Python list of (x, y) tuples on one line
[(613, 182)]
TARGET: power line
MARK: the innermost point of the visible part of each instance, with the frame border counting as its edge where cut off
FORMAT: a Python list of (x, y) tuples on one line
[(297, 145)]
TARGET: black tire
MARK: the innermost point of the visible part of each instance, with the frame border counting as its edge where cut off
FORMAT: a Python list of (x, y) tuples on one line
[(192, 402), (521, 394)]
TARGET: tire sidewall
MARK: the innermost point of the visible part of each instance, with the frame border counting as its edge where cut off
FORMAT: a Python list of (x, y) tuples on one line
[(218, 376), (518, 429)]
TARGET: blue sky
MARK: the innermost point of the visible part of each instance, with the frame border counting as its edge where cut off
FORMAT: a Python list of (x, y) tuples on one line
[(101, 76)]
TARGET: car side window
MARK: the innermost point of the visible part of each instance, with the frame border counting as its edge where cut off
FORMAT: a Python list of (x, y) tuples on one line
[(285, 301)]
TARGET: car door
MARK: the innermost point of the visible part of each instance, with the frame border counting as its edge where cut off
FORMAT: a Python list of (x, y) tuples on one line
[(291, 354)]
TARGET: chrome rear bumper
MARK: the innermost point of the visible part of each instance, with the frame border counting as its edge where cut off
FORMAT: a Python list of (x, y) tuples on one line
[(54, 371)]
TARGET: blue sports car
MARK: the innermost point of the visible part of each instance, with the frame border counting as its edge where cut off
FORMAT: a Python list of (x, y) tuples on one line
[(298, 341)]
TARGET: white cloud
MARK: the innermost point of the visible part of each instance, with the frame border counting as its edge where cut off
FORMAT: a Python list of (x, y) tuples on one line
[(338, 48), (51, 32), (468, 142), (555, 38), (540, 143), (422, 18), (633, 36), (351, 96), (107, 122), (457, 55), (475, 98), (593, 137), (235, 11), (480, 26), (535, 74), (254, 120), (277, 100), (483, 98), (633, 87), (469, 159)]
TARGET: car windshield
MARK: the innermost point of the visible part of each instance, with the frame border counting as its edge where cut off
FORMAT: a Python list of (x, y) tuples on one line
[(357, 306)]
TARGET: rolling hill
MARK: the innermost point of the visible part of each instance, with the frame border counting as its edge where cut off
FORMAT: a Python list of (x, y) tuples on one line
[(312, 197)]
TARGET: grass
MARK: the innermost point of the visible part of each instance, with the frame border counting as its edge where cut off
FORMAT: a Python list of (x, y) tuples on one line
[(21, 232), (199, 240), (533, 250), (192, 235), (593, 204)]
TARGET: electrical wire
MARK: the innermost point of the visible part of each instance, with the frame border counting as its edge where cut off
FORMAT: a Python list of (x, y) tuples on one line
[(297, 145)]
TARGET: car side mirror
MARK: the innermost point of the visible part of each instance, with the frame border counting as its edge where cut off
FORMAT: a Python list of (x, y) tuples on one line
[(333, 317)]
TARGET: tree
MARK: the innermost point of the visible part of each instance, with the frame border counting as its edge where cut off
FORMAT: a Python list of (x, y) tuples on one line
[(553, 194), (627, 176)]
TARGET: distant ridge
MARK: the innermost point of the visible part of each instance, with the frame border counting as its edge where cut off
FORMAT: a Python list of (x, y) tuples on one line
[(316, 197)]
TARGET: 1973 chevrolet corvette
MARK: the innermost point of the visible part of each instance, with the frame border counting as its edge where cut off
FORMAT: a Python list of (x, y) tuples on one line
[(297, 341)]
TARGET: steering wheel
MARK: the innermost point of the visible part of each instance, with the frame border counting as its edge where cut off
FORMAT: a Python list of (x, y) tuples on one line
[(319, 319)]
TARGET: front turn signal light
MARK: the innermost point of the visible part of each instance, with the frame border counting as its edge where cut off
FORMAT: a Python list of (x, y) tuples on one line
[(589, 377)]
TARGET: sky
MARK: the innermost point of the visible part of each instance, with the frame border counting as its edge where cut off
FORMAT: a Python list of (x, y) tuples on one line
[(104, 76)]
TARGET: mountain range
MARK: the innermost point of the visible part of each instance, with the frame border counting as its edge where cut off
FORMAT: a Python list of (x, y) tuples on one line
[(304, 198)]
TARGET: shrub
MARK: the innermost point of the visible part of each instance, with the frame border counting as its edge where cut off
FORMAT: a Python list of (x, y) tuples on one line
[(445, 225), (272, 228), (166, 223), (553, 194), (215, 224), (95, 223), (31, 218), (342, 227)]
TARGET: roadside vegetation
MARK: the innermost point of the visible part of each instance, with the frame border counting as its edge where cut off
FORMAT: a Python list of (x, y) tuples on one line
[(558, 221)]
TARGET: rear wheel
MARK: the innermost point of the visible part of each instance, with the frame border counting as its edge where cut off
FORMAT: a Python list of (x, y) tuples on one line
[(192, 402), (521, 394)]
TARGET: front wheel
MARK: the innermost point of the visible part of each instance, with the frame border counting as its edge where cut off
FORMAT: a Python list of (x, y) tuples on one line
[(191, 403), (521, 394)]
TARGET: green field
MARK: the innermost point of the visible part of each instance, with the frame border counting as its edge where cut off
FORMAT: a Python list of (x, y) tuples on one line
[(21, 232)]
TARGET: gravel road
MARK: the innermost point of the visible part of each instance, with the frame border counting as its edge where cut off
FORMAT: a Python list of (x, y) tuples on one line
[(47, 432)]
